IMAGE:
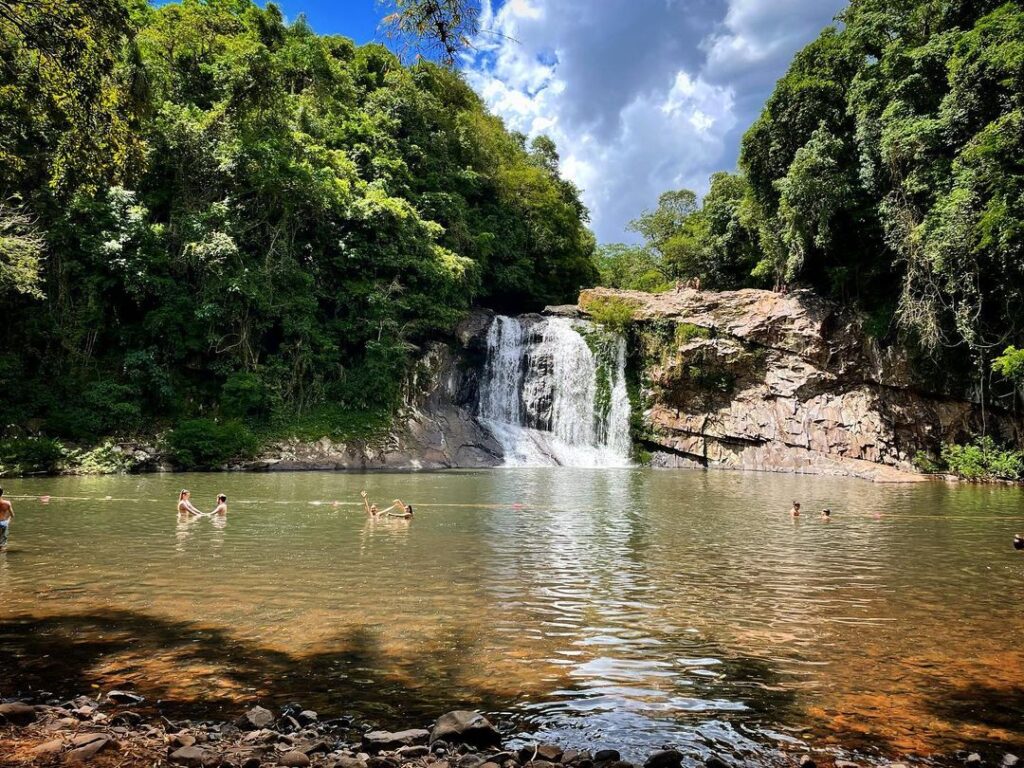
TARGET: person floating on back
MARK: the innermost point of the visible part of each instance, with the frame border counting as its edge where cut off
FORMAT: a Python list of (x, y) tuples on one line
[(6, 515), (222, 506), (795, 511)]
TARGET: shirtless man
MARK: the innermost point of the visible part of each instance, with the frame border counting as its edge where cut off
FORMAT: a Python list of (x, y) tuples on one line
[(795, 511), (185, 505), (222, 506), (6, 515), (371, 509)]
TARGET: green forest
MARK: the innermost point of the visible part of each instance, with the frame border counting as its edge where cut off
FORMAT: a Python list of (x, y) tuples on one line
[(221, 224), (207, 212), (886, 171)]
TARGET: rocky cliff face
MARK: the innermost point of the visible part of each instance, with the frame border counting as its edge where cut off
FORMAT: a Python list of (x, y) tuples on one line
[(759, 380), (437, 428)]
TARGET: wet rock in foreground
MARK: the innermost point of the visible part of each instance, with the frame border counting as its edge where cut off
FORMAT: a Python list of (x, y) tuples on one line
[(465, 727)]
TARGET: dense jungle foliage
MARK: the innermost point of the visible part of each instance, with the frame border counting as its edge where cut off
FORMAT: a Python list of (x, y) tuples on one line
[(886, 171), (207, 212)]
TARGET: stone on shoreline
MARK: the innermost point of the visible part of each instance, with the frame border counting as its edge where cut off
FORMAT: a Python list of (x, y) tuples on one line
[(125, 697), (256, 719), (89, 747), (607, 756), (666, 758), (294, 759), (716, 762), (465, 727), (17, 713), (381, 741), (189, 756), (552, 753)]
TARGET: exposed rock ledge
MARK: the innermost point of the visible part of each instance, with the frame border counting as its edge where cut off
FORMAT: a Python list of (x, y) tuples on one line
[(437, 429), (759, 380)]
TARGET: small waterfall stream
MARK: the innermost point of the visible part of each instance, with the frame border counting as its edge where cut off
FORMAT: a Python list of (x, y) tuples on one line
[(554, 393)]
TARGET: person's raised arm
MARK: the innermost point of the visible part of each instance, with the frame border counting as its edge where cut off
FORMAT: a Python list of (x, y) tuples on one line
[(366, 503)]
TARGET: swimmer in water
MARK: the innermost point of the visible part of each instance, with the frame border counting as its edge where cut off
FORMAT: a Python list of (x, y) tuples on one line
[(795, 511), (826, 515), (371, 509), (222, 506), (404, 510), (1018, 541), (6, 515), (185, 504)]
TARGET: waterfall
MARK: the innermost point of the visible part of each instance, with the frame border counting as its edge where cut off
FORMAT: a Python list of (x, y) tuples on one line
[(554, 393)]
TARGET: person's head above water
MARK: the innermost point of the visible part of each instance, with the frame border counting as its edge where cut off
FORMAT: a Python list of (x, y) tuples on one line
[(826, 513), (1018, 541), (184, 494), (222, 499)]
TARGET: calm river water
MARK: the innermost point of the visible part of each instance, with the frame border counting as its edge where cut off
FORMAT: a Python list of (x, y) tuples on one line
[(624, 608)]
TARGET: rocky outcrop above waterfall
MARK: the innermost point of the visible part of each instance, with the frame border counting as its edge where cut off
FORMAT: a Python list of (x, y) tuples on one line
[(436, 428), (783, 382)]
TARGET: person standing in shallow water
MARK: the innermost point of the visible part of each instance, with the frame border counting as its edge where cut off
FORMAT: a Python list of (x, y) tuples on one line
[(795, 511), (6, 515), (222, 506), (185, 504)]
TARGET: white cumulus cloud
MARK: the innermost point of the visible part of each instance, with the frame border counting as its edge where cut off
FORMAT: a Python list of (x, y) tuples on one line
[(640, 96)]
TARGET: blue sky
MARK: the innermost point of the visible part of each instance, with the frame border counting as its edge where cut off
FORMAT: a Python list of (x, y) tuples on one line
[(357, 19), (640, 96)]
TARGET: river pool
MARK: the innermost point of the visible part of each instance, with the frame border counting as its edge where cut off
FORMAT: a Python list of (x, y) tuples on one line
[(627, 608)]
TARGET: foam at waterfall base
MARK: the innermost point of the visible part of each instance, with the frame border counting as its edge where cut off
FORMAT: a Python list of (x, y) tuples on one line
[(525, 447)]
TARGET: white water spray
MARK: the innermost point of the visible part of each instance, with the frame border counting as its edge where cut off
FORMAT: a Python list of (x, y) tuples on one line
[(549, 400)]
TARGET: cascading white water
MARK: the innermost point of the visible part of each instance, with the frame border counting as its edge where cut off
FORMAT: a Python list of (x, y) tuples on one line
[(549, 400)]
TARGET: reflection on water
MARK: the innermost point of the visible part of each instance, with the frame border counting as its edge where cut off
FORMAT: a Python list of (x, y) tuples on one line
[(630, 608)]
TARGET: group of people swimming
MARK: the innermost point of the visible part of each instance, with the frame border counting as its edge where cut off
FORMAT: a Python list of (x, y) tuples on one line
[(398, 508), (185, 506), (826, 514)]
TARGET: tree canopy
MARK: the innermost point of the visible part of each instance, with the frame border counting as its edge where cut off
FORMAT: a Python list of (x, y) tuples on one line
[(208, 211)]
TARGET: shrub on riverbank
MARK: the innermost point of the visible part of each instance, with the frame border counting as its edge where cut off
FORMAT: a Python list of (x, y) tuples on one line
[(29, 455), (206, 444), (979, 460)]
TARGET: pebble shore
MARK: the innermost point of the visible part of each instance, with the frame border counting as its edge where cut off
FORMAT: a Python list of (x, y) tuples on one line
[(112, 730)]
